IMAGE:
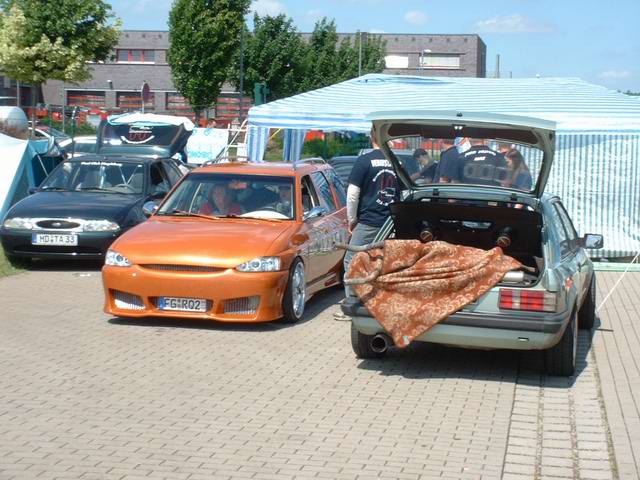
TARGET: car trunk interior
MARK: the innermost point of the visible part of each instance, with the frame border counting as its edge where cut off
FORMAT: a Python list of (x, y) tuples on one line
[(480, 224)]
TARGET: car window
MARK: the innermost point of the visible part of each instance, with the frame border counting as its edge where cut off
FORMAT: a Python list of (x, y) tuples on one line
[(105, 176), (338, 186), (85, 147), (220, 194), (158, 182), (572, 235), (172, 172), (563, 237), (324, 191), (309, 195)]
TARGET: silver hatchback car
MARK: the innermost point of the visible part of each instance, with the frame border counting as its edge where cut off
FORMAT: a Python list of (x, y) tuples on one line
[(479, 181)]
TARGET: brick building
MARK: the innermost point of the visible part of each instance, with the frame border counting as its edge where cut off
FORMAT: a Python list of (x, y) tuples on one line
[(142, 56)]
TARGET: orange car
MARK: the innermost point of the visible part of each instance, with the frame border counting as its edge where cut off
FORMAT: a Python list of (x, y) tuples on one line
[(236, 242)]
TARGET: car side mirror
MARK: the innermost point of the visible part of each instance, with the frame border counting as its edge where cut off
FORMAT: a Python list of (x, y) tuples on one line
[(149, 208), (315, 212), (592, 241)]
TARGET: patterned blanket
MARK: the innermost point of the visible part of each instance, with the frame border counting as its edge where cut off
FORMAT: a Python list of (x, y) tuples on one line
[(410, 286)]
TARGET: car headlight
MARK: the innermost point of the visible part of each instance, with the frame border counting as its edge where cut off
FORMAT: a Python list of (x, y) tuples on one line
[(100, 226), (114, 259), (19, 223), (260, 264)]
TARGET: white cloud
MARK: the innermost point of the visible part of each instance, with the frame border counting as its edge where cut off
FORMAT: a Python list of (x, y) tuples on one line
[(416, 17), (268, 7), (376, 30), (515, 23), (615, 74)]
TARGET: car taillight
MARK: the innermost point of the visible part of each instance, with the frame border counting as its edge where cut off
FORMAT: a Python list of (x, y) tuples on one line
[(535, 301)]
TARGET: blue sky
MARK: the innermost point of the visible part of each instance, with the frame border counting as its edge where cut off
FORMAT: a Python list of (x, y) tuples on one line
[(596, 40)]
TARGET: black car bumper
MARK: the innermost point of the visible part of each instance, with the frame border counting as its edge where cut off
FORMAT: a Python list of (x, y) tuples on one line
[(91, 245)]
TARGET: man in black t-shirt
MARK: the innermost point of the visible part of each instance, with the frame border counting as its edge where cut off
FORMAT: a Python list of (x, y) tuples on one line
[(373, 185)]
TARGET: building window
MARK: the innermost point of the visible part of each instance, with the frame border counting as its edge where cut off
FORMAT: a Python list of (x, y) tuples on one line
[(85, 98), (440, 61), (177, 103), (136, 56), (396, 61), (133, 101)]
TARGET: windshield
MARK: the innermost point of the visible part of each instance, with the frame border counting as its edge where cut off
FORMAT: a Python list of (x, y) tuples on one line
[(111, 177), (470, 161), (218, 194)]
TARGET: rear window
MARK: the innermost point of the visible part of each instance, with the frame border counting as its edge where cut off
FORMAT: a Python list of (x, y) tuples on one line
[(471, 161)]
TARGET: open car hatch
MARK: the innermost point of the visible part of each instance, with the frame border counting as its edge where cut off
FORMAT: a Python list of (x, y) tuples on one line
[(533, 139)]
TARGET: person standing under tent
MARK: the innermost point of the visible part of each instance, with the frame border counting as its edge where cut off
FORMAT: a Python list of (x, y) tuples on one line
[(373, 186)]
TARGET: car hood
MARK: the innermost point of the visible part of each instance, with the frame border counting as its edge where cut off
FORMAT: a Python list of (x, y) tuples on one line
[(198, 241), (87, 205), (446, 124)]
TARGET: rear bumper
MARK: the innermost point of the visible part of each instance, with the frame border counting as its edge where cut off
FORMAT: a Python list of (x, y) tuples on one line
[(217, 288), (524, 331), (91, 245)]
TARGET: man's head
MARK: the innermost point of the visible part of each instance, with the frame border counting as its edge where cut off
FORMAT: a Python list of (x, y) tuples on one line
[(374, 139), (284, 191), (219, 194)]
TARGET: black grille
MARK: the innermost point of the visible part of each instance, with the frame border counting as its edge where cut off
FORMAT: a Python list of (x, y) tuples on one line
[(57, 224), (182, 268)]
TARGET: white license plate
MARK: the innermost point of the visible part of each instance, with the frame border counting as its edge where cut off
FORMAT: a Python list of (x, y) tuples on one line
[(182, 304), (54, 239)]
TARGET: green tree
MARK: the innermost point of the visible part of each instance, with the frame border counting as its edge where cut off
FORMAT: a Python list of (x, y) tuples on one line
[(205, 35), (273, 53), (329, 63), (321, 56), (54, 39)]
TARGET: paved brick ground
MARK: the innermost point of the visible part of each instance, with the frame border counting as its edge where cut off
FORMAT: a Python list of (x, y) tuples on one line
[(617, 350), (84, 396)]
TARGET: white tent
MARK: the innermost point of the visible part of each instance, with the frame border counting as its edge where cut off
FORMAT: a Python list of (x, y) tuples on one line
[(597, 166)]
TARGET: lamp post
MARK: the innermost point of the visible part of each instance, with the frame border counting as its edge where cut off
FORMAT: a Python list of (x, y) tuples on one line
[(241, 72), (360, 54)]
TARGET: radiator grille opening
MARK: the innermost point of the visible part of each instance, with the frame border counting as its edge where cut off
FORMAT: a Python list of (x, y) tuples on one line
[(127, 301), (242, 305), (182, 268)]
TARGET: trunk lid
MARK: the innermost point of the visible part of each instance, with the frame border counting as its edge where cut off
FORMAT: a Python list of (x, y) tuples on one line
[(432, 129)]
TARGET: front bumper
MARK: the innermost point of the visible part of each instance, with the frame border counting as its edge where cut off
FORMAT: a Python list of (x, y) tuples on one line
[(521, 331), (221, 289), (91, 245)]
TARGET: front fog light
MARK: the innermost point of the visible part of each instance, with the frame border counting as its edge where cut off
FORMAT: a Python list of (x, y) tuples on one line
[(114, 259), (260, 264)]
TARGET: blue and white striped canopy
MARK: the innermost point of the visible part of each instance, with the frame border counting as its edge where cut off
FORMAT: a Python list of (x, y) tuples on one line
[(573, 104), (596, 168)]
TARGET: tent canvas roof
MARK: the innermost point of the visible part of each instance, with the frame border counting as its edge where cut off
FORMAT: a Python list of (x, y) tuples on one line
[(575, 105)]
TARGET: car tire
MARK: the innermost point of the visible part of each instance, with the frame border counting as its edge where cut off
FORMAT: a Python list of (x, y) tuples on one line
[(295, 294), (587, 313), (361, 345), (560, 360)]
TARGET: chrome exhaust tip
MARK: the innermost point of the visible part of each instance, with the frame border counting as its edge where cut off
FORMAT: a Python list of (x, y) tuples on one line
[(380, 343)]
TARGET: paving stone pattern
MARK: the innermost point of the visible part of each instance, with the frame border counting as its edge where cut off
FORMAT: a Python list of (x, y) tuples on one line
[(84, 396)]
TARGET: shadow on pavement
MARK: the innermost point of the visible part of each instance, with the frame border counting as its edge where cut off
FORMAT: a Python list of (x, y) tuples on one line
[(424, 361), (314, 307)]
